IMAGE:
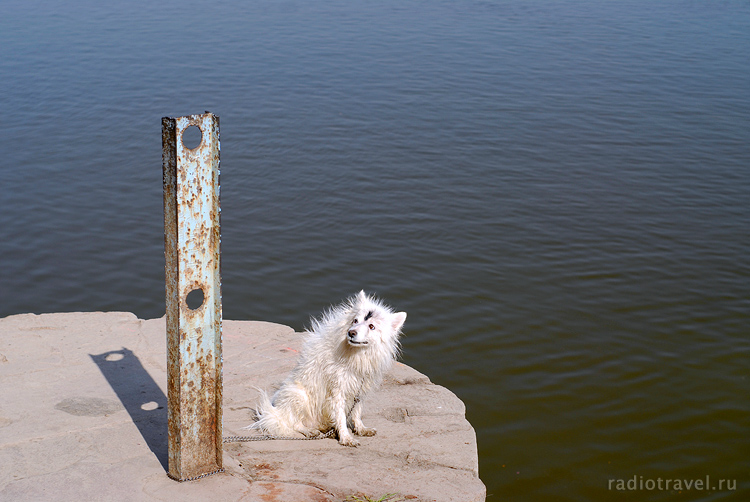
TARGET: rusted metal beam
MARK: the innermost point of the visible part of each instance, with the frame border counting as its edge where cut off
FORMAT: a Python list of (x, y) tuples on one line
[(193, 292)]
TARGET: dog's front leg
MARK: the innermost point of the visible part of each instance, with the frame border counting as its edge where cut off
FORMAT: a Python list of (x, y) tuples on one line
[(345, 436), (359, 427)]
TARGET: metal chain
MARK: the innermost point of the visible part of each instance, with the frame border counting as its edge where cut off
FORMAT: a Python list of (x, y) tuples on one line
[(195, 477), (269, 437), (242, 439), (265, 437)]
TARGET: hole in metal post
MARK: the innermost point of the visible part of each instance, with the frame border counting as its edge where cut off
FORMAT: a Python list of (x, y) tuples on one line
[(191, 137), (194, 299)]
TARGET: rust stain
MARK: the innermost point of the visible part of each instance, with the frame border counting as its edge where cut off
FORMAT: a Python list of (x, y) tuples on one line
[(192, 254), (267, 471), (272, 492)]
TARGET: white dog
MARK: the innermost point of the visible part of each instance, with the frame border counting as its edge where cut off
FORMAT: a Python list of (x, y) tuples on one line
[(344, 356)]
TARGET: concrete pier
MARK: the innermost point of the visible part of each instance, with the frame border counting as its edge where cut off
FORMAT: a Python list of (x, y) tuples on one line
[(83, 417)]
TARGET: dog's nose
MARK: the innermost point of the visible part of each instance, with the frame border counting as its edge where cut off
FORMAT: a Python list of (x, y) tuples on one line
[(352, 333)]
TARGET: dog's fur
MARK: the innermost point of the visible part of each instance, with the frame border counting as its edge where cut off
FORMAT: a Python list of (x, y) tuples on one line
[(345, 355)]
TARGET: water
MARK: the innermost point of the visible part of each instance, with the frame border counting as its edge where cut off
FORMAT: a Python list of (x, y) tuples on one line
[(558, 193)]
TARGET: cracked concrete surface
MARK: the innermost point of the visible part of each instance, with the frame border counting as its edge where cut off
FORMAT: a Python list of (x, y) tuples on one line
[(68, 432)]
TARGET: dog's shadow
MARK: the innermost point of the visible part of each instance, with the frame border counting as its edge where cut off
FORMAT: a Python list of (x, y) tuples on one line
[(140, 395)]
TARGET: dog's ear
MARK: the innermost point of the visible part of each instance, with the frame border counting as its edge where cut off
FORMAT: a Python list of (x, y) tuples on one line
[(361, 296), (397, 320)]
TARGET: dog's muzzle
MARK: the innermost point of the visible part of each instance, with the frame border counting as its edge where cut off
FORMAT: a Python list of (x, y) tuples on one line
[(352, 338)]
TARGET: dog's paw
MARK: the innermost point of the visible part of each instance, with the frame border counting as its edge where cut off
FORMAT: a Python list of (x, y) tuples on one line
[(365, 431), (348, 441)]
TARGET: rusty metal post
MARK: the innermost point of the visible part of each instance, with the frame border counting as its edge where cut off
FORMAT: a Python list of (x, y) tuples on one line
[(191, 245)]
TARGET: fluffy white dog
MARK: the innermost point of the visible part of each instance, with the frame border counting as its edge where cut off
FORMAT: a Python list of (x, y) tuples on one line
[(345, 355)]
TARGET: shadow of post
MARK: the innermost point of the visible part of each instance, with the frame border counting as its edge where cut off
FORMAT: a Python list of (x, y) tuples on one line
[(141, 397)]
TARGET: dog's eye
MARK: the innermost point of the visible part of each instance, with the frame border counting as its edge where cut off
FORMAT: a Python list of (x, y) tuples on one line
[(355, 321), (371, 326)]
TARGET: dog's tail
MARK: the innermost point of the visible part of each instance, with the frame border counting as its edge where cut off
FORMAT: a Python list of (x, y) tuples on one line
[(263, 409), (269, 418)]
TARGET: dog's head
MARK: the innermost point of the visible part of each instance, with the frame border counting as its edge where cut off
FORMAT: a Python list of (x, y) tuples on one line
[(373, 323)]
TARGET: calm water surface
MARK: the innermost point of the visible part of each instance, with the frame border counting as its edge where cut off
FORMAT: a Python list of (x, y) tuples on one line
[(558, 193)]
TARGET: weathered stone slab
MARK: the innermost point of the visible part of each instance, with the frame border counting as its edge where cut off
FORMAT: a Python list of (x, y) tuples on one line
[(83, 417)]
